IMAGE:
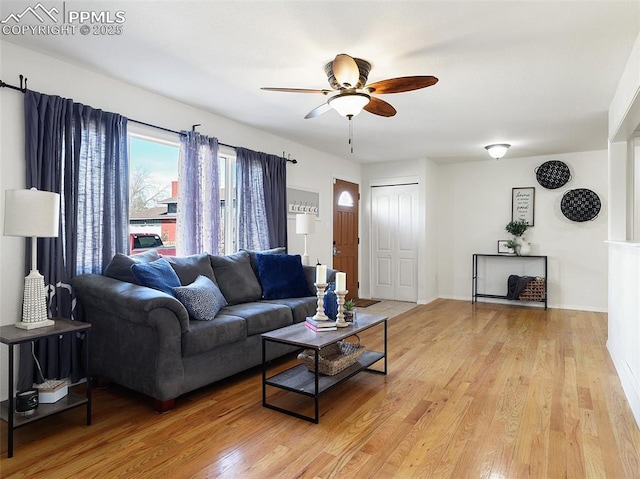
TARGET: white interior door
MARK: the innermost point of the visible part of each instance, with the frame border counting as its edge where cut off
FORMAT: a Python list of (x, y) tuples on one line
[(394, 242)]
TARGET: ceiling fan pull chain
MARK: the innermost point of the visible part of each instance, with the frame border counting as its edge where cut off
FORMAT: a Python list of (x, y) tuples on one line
[(351, 132)]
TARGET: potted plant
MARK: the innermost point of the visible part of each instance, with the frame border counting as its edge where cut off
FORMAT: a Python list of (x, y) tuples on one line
[(516, 228), (513, 244), (519, 244), (349, 309)]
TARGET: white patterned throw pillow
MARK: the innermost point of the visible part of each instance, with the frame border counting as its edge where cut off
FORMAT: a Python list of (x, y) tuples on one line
[(202, 298)]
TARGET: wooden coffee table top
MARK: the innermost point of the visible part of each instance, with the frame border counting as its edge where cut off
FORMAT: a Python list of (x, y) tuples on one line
[(299, 335)]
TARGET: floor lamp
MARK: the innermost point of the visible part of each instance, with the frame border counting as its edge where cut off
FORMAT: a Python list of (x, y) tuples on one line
[(305, 225), (35, 214)]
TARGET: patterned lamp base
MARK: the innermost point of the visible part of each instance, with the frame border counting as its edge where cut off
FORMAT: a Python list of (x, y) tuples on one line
[(34, 305)]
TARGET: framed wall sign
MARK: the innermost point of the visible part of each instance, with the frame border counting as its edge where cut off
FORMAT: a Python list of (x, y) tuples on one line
[(523, 204)]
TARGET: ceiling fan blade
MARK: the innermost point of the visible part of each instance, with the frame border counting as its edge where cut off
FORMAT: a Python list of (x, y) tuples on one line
[(380, 107), (325, 107), (297, 90), (346, 71), (401, 84)]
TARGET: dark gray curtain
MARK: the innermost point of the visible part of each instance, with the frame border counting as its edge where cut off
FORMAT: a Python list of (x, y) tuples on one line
[(81, 153), (261, 194)]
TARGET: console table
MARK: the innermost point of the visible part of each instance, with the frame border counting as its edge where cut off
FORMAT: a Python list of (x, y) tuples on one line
[(10, 335), (299, 379), (488, 257)]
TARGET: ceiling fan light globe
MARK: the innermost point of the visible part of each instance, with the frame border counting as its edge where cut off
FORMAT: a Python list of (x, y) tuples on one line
[(497, 151), (349, 104)]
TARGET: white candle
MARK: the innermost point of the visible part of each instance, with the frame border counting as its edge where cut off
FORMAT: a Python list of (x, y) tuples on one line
[(341, 281), (321, 274)]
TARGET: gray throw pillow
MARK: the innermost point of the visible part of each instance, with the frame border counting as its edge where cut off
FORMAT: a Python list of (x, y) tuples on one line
[(188, 268), (120, 265), (236, 278), (202, 298)]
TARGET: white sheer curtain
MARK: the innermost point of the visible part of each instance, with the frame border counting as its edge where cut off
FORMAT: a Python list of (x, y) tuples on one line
[(198, 223)]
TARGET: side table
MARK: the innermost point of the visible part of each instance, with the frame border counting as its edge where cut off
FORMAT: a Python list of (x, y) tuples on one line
[(10, 335)]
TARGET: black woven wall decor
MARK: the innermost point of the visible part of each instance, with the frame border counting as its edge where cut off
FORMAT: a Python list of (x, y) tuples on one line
[(580, 205), (553, 174)]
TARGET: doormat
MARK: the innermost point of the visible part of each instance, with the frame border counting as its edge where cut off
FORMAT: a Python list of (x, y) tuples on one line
[(365, 303)]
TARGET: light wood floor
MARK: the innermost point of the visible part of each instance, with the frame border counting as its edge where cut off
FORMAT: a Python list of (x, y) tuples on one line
[(484, 391)]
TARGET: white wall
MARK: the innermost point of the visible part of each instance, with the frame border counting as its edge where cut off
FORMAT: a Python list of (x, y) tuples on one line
[(314, 171), (475, 205), (624, 256)]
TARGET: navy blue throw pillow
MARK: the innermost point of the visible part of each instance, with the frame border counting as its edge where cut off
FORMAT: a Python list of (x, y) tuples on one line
[(282, 276), (157, 275)]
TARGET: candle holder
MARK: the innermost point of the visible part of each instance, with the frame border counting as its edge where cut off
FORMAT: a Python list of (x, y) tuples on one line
[(320, 316), (340, 321)]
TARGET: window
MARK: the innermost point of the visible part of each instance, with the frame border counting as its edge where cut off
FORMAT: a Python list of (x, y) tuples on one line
[(345, 199), (228, 216), (153, 188), (153, 191)]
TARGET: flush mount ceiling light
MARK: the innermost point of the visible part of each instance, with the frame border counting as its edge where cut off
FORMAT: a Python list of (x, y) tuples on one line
[(349, 104), (497, 151)]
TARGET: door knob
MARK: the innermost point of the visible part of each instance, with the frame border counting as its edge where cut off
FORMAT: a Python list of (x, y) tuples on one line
[(336, 251)]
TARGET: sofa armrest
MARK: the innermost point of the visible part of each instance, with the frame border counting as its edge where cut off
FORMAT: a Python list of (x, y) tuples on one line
[(127, 300)]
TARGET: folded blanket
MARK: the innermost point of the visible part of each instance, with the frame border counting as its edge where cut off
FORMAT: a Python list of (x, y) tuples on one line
[(516, 284)]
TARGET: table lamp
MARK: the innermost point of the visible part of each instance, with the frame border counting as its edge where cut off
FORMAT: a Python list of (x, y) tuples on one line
[(32, 213), (305, 225)]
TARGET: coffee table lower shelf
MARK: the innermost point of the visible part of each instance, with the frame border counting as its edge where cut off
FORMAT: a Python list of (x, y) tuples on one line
[(300, 380)]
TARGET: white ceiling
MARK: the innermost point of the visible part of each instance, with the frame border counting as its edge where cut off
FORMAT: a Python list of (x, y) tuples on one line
[(537, 74)]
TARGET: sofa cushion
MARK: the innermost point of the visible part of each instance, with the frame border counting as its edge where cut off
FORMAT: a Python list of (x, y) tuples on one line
[(157, 274), (120, 265), (261, 317), (204, 336), (188, 268), (202, 298), (281, 276), (235, 278), (252, 255), (300, 307)]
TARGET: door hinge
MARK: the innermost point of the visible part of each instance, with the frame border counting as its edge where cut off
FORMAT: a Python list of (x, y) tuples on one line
[(358, 240)]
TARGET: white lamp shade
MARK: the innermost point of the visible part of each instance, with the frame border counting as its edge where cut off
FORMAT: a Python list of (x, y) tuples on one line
[(31, 213), (349, 104), (305, 224)]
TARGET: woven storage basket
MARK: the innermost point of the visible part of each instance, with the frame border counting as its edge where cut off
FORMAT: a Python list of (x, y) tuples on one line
[(334, 358), (534, 291)]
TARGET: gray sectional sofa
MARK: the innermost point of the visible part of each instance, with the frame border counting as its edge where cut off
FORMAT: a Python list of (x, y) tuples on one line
[(147, 341)]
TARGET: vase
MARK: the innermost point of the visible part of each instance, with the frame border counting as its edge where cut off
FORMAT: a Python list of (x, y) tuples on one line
[(331, 302), (525, 247)]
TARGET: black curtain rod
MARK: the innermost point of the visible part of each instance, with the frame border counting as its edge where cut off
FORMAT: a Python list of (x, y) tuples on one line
[(13, 87), (193, 127)]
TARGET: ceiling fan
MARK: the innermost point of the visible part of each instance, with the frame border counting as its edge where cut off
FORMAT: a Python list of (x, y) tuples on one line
[(347, 77)]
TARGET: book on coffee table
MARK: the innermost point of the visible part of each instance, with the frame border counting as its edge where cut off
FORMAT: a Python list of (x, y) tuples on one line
[(321, 324), (322, 330)]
